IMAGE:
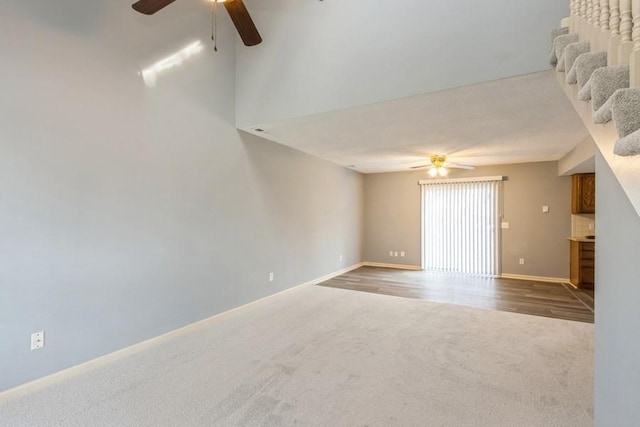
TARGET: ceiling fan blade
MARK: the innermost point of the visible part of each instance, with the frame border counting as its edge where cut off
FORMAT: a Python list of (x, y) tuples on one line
[(243, 22), (458, 166), (149, 7), (421, 167)]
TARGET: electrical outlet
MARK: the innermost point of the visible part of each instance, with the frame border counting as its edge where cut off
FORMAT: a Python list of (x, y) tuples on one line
[(545, 209), (271, 276), (504, 224), (395, 253), (401, 253), (521, 261), (37, 340), (390, 253), (340, 257)]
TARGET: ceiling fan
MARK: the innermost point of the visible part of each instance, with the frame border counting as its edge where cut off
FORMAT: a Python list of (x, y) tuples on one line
[(236, 9), (439, 166)]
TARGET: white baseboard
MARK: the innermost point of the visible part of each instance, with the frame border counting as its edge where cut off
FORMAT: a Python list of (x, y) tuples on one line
[(140, 346), (332, 275), (535, 278), (385, 265)]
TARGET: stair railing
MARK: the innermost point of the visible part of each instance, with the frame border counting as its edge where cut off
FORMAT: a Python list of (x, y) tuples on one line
[(612, 26)]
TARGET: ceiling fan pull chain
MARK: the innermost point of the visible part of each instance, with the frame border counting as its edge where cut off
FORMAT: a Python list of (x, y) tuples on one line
[(214, 26)]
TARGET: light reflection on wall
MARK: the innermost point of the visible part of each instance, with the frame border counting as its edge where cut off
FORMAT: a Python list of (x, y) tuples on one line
[(150, 74)]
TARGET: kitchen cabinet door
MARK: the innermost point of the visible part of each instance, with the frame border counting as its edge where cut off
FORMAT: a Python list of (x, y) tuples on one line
[(583, 193)]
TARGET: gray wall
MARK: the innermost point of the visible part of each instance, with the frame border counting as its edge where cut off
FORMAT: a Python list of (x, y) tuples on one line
[(303, 69), (617, 376), (126, 211), (392, 217)]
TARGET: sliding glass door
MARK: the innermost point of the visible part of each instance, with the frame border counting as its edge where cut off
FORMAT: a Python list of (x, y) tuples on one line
[(461, 225)]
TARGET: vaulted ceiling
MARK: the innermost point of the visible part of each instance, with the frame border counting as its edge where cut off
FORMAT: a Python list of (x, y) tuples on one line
[(368, 84), (378, 86)]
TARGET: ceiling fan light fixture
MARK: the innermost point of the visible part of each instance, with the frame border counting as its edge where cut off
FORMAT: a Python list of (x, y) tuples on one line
[(440, 166)]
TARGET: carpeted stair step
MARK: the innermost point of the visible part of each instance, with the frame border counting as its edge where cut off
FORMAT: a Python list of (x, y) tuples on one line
[(623, 107), (605, 81), (603, 114), (554, 35), (629, 145), (585, 65), (560, 43), (571, 53)]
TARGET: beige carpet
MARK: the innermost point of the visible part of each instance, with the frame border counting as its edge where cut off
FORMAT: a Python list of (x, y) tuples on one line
[(330, 357)]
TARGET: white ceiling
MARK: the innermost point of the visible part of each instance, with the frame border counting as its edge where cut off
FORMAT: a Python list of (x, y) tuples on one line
[(515, 120), (381, 87)]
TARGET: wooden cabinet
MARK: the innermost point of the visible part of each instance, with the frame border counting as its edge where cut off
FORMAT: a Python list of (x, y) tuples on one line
[(582, 264), (583, 193)]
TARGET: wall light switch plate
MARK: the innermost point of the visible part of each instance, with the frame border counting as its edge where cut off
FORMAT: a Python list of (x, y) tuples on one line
[(402, 253), (504, 224), (545, 209)]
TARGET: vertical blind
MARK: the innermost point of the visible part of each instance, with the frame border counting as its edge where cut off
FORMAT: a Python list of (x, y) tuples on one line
[(461, 226)]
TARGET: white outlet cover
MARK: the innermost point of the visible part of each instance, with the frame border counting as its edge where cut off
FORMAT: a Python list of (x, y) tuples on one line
[(390, 253), (545, 209), (395, 253), (504, 224), (402, 253), (37, 340)]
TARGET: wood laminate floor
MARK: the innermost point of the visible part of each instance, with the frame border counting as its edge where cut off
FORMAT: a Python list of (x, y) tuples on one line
[(555, 300)]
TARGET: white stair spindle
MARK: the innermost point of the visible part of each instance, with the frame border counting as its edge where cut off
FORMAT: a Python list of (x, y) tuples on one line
[(573, 15), (603, 25), (604, 15), (634, 60), (635, 33), (614, 17), (582, 13), (595, 25), (585, 29), (626, 26), (594, 16), (614, 31)]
